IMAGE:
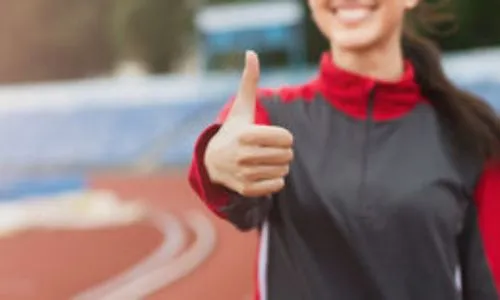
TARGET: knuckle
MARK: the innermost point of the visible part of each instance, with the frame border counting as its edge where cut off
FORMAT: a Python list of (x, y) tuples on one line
[(246, 174), (239, 175), (246, 135), (239, 187), (289, 154), (241, 157), (242, 137), (246, 190), (286, 170), (286, 136), (289, 138), (280, 184)]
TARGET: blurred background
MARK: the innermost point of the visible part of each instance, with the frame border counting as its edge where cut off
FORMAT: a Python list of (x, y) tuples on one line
[(100, 104)]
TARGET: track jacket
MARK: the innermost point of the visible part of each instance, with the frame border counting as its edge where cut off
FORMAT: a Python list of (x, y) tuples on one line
[(377, 206)]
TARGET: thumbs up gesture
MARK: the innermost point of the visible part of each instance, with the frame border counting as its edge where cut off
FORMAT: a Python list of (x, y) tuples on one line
[(249, 159)]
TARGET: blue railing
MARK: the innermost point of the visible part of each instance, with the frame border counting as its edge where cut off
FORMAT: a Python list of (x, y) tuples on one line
[(120, 133)]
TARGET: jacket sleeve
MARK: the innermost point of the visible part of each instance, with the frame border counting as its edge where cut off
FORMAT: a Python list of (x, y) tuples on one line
[(479, 242), (245, 213), (488, 209)]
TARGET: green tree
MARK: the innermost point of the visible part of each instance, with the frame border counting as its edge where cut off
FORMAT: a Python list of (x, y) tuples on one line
[(154, 31), (477, 23)]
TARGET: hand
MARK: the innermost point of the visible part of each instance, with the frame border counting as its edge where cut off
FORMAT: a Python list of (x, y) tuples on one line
[(249, 159)]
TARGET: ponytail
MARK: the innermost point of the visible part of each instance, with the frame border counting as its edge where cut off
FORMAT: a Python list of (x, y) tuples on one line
[(473, 125)]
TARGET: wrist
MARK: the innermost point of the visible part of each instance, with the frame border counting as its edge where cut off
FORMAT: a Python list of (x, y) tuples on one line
[(211, 170)]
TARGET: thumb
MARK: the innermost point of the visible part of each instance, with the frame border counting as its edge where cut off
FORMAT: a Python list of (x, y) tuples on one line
[(245, 102)]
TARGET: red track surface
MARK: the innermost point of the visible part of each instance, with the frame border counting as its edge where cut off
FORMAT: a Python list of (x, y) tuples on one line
[(53, 265)]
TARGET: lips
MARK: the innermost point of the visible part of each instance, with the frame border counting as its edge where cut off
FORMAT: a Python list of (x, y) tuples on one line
[(353, 13)]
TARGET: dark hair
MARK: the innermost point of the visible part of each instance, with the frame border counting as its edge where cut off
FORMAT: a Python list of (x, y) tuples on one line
[(472, 123)]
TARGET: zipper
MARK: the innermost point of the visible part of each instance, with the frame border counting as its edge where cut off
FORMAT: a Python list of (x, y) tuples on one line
[(365, 205), (369, 123)]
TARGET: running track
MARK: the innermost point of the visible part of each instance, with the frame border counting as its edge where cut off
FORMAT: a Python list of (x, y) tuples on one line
[(201, 258)]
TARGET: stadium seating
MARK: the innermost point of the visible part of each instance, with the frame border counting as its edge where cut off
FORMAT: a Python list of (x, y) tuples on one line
[(179, 152), (106, 136), (121, 134)]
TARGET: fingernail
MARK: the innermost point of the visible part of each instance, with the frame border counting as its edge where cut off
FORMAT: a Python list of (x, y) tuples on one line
[(247, 55), (249, 52)]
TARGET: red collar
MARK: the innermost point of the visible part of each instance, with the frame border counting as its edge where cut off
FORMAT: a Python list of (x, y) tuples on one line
[(351, 92)]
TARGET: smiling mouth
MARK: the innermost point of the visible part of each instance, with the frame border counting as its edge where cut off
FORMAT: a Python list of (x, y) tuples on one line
[(354, 14)]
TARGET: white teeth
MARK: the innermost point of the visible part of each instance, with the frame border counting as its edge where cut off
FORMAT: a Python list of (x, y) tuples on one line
[(352, 15)]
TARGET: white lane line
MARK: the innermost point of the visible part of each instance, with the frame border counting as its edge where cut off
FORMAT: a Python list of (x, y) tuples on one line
[(174, 240), (70, 211), (147, 283)]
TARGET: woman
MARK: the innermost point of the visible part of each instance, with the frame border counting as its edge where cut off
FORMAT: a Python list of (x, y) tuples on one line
[(374, 181)]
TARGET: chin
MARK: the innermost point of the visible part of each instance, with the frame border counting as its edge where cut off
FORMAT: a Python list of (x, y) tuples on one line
[(352, 42)]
